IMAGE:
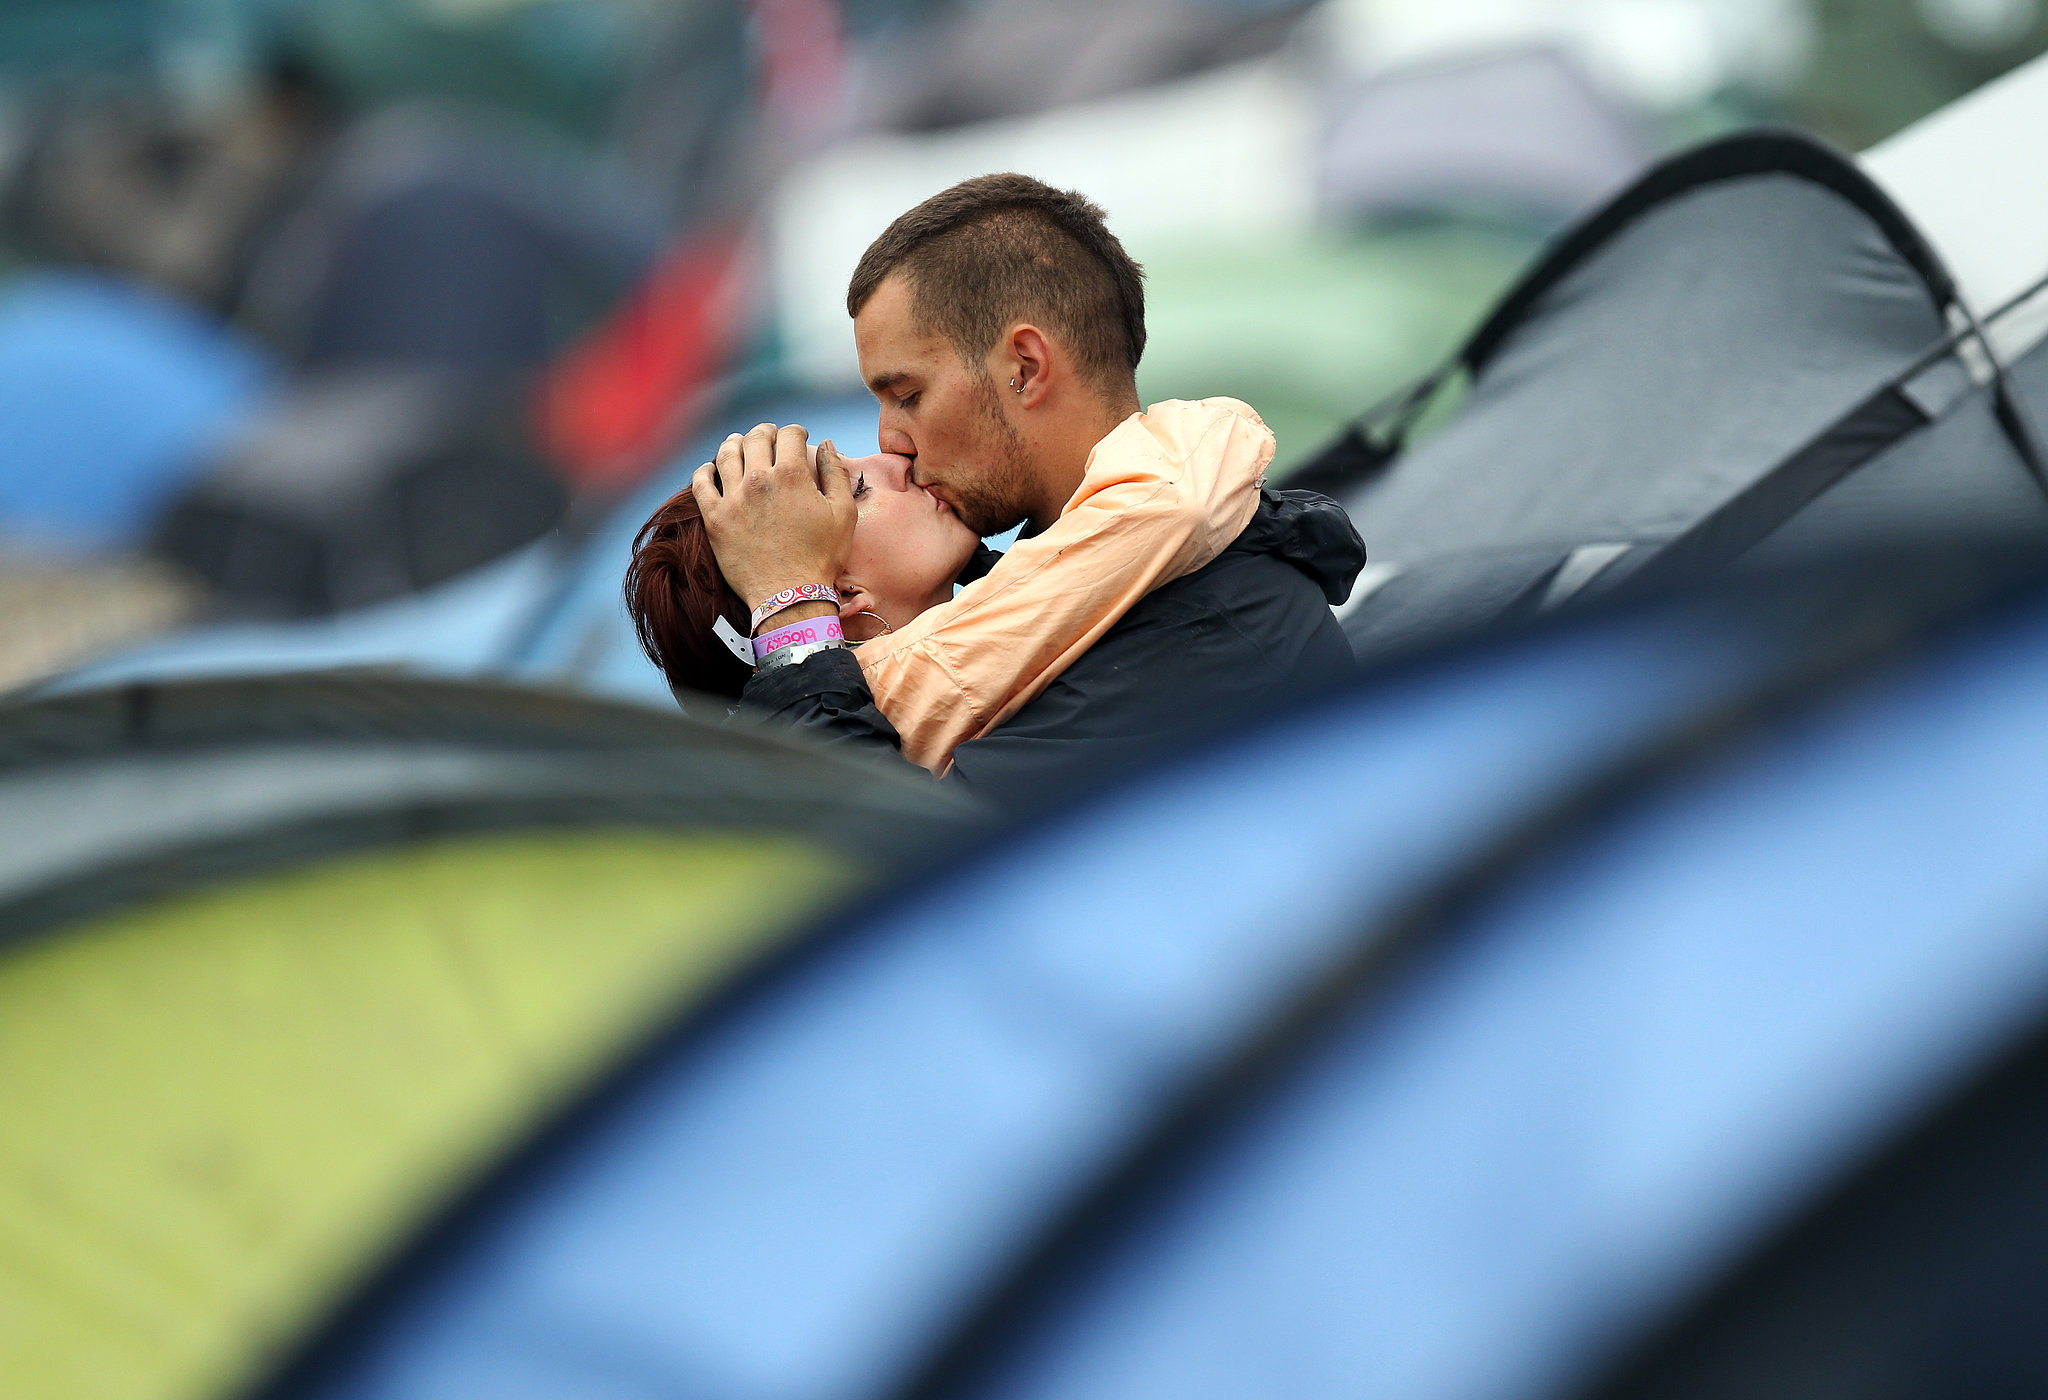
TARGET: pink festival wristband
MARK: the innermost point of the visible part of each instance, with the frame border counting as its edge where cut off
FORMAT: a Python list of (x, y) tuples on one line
[(814, 629), (790, 597)]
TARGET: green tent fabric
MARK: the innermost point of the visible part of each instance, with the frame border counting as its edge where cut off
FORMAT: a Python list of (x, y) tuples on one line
[(296, 956)]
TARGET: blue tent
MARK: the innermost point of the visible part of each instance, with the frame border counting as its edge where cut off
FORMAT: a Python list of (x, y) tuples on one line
[(111, 398), (1447, 1037)]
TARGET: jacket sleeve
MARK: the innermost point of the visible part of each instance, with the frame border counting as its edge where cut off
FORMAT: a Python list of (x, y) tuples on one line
[(1165, 493), (828, 698)]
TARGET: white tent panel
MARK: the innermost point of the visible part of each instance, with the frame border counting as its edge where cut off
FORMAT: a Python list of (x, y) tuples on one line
[(1974, 177), (1222, 155)]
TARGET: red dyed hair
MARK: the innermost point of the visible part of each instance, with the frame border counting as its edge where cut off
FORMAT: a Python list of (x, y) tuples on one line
[(675, 593)]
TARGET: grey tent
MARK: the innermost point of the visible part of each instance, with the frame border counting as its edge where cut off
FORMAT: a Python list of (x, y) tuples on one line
[(1749, 352)]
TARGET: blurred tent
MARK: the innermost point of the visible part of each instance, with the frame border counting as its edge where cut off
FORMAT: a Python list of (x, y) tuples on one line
[(108, 170), (685, 126), (564, 64), (1519, 132), (1752, 351), (972, 63), (434, 264), (548, 613), (431, 235), (1526, 994), (282, 961), (360, 485), (111, 397)]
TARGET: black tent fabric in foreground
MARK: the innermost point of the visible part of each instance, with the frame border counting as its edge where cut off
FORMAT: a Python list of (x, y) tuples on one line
[(284, 960), (1508, 1002), (1751, 340)]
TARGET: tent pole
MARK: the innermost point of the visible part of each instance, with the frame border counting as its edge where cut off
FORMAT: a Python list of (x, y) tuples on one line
[(2005, 405)]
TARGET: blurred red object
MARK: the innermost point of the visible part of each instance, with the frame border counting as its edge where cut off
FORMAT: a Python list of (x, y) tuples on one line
[(611, 410), (617, 404)]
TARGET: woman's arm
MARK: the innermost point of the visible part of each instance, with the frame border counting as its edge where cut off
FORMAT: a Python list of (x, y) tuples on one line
[(1164, 493)]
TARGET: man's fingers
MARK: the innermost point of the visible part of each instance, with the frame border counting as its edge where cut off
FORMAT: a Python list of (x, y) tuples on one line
[(833, 479), (729, 464), (837, 484), (757, 450), (789, 449), (704, 486)]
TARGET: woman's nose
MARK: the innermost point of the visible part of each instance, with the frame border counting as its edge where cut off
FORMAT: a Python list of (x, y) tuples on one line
[(895, 469)]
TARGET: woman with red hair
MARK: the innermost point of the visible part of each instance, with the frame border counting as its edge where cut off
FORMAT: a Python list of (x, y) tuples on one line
[(908, 550)]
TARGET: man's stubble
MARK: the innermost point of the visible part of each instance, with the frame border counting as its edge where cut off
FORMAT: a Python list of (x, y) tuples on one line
[(1000, 493)]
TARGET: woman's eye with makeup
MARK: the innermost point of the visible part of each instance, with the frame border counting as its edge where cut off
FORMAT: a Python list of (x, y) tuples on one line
[(860, 486)]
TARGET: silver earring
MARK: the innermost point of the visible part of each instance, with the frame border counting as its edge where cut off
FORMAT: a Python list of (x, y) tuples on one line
[(1015, 385)]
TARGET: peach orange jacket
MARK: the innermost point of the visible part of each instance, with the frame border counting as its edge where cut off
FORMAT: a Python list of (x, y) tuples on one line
[(1163, 494)]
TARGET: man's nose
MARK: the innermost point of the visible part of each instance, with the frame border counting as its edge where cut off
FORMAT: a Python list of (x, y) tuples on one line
[(895, 440)]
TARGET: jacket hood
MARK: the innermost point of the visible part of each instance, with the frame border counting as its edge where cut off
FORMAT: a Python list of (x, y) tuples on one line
[(1310, 532)]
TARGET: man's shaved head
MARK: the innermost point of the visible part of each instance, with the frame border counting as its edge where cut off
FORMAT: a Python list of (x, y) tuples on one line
[(1001, 249)]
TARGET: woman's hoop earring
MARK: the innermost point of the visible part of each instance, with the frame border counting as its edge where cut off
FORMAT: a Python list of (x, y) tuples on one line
[(845, 625)]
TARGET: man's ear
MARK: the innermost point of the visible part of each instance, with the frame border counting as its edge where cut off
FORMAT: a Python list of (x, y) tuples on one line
[(1030, 364)]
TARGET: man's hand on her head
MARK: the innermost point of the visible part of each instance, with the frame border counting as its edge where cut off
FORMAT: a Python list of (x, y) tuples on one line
[(775, 520)]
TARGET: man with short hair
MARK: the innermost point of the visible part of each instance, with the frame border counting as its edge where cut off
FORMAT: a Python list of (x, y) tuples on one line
[(999, 326)]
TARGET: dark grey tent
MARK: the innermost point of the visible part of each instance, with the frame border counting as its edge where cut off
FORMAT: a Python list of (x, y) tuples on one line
[(1752, 351)]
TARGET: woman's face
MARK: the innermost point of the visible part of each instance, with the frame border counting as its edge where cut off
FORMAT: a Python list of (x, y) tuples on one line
[(908, 547)]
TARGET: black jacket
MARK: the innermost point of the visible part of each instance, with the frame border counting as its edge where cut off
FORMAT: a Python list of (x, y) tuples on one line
[(1242, 634)]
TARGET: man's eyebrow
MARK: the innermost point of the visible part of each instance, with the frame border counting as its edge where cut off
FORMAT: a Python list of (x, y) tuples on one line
[(883, 383)]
